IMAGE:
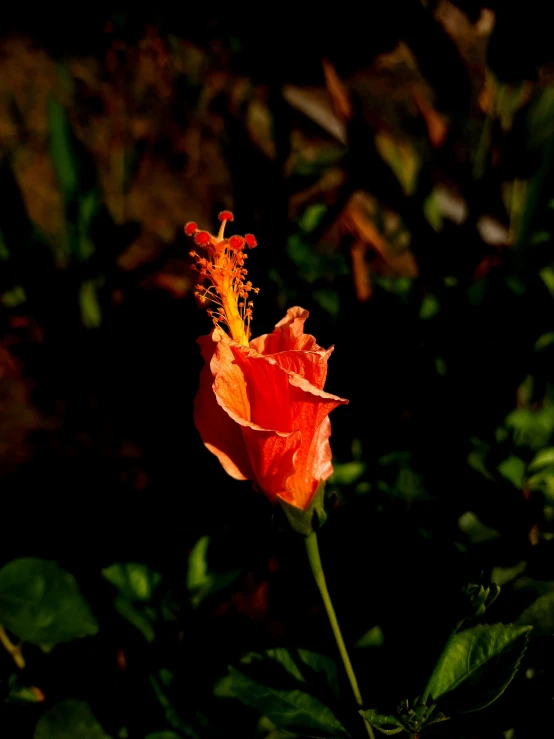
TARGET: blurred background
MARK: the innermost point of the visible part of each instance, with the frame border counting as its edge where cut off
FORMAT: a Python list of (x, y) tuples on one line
[(395, 166)]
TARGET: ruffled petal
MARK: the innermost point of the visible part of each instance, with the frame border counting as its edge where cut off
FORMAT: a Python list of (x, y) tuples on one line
[(287, 335)]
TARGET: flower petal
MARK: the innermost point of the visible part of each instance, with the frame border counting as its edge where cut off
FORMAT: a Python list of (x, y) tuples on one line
[(271, 456), (311, 465), (287, 335), (220, 434)]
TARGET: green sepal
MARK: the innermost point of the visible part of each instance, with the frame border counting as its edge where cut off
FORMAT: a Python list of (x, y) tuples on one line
[(300, 521)]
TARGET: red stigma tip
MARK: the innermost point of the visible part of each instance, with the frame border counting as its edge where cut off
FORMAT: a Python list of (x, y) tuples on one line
[(191, 228), (236, 242), (202, 238), (250, 240), (226, 215)]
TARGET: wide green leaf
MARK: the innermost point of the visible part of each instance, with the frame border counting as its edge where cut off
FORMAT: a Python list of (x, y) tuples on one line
[(42, 604), (478, 665), (69, 720), (293, 709), (279, 685)]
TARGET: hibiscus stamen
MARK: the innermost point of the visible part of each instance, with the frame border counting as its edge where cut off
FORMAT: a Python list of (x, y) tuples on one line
[(223, 268)]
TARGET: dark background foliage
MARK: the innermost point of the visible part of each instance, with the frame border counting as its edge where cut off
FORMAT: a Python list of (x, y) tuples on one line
[(395, 166)]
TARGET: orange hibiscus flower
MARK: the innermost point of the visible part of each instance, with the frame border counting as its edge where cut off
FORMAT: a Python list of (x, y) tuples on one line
[(261, 407)]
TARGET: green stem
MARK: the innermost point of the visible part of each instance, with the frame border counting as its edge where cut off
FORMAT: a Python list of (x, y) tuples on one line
[(312, 549), (12, 649), (438, 664)]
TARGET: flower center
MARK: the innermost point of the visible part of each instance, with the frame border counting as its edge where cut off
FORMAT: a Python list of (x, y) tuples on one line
[(222, 277)]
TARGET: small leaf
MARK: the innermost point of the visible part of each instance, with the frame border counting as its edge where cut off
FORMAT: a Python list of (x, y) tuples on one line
[(372, 638), (91, 313), (347, 473), (540, 615), (42, 604), (386, 724), (135, 616), (202, 582), (172, 716), (61, 150), (513, 469), (133, 580), (475, 529), (544, 341), (312, 216), (69, 720), (544, 458), (430, 306), (479, 665), (163, 735), (21, 692), (502, 575)]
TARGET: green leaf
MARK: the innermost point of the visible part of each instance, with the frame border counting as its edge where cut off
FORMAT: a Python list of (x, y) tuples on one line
[(540, 615), (312, 216), (69, 720), (300, 664), (91, 313), (133, 580), (475, 529), (135, 616), (287, 708), (329, 300), (347, 473), (543, 480), (534, 427), (386, 724), (544, 458), (61, 150), (544, 341), (276, 682), (172, 716), (478, 666), (372, 638), (430, 306), (202, 582), (513, 469), (42, 604), (22, 692), (502, 575)]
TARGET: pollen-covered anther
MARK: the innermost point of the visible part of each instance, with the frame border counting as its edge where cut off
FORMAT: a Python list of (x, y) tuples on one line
[(202, 238), (236, 243), (222, 277)]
